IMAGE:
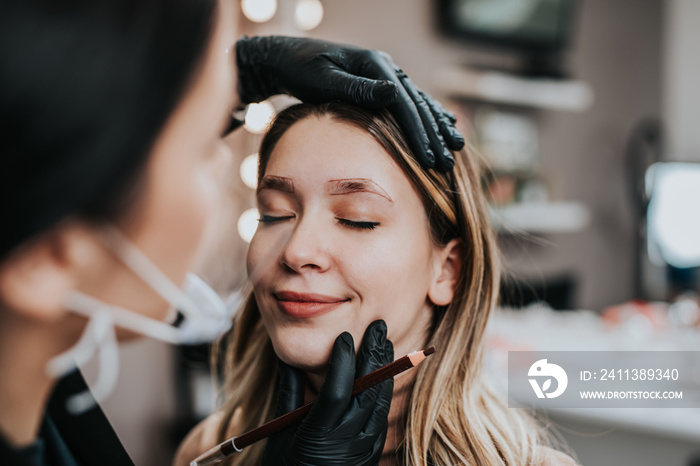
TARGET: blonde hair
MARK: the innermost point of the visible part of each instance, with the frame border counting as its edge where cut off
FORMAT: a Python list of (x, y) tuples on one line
[(453, 416)]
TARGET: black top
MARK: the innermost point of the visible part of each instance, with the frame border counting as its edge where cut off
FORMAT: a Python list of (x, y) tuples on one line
[(67, 440)]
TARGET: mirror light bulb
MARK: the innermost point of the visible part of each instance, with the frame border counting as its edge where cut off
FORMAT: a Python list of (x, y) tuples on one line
[(259, 116), (247, 224), (308, 14), (249, 171), (259, 11)]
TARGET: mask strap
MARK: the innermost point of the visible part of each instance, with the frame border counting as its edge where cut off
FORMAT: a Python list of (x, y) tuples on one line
[(98, 335), (81, 352), (142, 266), (85, 305)]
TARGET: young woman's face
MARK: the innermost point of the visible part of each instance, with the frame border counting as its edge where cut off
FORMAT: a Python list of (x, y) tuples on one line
[(343, 240), (182, 184)]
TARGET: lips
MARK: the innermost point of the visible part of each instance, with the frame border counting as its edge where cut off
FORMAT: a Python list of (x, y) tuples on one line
[(306, 305)]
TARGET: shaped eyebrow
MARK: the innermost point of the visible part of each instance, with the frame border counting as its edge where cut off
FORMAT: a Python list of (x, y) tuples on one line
[(356, 185), (278, 183)]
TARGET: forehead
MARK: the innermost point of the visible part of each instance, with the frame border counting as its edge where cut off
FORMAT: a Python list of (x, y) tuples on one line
[(321, 149)]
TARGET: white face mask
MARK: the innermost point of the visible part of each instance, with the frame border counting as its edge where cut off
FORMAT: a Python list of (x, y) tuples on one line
[(204, 315)]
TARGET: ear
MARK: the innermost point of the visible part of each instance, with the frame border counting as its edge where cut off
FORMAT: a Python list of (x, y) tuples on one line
[(36, 278), (448, 265)]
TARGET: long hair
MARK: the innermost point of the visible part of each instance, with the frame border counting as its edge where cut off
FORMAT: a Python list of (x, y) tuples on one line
[(453, 416)]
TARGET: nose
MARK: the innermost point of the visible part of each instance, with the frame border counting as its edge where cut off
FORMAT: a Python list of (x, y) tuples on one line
[(306, 250)]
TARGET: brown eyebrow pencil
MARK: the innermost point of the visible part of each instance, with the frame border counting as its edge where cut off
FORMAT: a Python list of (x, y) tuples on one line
[(236, 444)]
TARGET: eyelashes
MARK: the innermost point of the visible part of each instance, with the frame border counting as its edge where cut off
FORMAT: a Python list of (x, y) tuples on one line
[(358, 225), (271, 219)]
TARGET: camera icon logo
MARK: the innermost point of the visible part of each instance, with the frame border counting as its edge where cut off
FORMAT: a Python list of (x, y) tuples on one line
[(546, 372)]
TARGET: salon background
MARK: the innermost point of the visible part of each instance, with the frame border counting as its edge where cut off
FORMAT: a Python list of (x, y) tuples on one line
[(567, 128)]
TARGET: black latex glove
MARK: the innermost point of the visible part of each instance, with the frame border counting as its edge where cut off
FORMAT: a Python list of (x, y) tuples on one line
[(340, 429), (317, 71)]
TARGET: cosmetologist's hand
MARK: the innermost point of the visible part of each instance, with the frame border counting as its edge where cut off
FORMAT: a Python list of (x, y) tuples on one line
[(340, 429), (317, 71)]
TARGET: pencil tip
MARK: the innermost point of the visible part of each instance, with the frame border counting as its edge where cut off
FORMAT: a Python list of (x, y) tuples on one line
[(429, 351)]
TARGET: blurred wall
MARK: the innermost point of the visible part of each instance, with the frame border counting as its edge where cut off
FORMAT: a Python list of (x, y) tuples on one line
[(617, 50), (681, 77)]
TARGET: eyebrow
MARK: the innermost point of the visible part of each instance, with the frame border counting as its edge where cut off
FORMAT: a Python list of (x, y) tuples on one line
[(356, 185), (278, 183), (333, 187)]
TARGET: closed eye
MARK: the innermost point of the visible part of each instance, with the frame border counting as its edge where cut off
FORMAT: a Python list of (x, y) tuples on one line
[(273, 219), (358, 225)]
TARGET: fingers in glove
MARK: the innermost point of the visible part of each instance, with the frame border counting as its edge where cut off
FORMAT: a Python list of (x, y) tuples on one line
[(445, 120), (437, 107), (375, 352), (289, 397), (407, 117), (291, 389), (378, 420), (371, 355), (361, 91), (369, 412), (376, 400), (443, 157), (335, 394), (378, 423), (404, 107)]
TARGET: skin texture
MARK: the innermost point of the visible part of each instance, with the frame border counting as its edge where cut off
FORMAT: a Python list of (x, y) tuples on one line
[(178, 195), (304, 244)]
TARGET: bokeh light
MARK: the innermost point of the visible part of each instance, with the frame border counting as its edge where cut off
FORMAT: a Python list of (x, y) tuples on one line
[(259, 116), (249, 171), (308, 14), (247, 224), (259, 11)]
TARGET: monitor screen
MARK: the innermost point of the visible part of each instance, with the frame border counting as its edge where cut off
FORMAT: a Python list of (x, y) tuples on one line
[(534, 26)]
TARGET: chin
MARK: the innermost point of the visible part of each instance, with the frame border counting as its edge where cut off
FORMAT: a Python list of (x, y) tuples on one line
[(303, 348)]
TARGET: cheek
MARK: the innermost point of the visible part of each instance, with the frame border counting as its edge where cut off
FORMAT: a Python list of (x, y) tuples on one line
[(207, 179), (400, 260), (193, 204), (181, 205), (393, 280), (262, 258)]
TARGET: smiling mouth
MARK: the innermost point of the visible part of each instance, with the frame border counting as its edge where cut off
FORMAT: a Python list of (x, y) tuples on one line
[(306, 305)]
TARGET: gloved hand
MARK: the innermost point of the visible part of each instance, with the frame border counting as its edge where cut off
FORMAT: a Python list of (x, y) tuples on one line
[(340, 429), (316, 71)]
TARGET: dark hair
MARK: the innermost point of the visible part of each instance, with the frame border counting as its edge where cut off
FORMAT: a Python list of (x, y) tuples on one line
[(85, 88)]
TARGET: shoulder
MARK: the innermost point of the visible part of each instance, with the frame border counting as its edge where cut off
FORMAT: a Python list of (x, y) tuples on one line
[(200, 439), (552, 457)]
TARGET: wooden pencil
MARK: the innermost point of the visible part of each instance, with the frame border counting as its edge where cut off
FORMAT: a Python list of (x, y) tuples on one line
[(236, 444)]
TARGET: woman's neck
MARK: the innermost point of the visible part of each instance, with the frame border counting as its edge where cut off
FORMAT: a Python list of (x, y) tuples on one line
[(25, 349)]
